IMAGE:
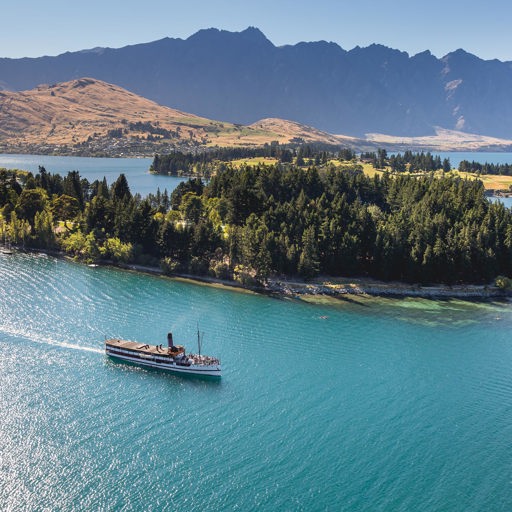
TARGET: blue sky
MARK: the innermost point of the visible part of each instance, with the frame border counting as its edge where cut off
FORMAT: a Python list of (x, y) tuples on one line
[(31, 28)]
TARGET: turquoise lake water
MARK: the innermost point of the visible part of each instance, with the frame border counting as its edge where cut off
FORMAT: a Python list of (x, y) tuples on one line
[(135, 169), (392, 405)]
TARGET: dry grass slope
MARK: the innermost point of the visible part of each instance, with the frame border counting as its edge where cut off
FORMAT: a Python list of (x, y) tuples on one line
[(71, 112)]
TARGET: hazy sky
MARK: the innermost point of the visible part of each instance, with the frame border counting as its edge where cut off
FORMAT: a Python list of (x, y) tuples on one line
[(31, 28)]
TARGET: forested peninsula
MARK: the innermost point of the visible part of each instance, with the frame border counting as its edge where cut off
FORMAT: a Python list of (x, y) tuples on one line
[(256, 222)]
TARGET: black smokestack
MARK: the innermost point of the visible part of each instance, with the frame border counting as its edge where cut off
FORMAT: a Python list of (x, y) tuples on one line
[(169, 340)]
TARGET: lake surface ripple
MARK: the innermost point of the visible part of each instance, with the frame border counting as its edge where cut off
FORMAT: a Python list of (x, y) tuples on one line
[(385, 405)]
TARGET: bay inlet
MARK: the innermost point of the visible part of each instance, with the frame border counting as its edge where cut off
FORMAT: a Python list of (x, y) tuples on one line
[(135, 169)]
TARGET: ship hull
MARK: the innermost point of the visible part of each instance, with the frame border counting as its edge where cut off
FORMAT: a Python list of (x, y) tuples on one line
[(168, 366)]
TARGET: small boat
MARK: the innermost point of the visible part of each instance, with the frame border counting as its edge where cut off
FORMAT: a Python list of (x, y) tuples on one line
[(172, 358)]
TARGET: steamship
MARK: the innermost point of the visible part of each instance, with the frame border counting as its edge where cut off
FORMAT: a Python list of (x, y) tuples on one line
[(172, 358)]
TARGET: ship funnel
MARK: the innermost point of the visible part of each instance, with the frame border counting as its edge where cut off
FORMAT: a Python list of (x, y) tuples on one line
[(169, 340)]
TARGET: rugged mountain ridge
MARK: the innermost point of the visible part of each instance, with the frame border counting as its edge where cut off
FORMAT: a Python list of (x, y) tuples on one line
[(242, 77)]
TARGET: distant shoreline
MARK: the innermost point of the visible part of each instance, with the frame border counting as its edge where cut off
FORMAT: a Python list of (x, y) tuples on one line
[(151, 150)]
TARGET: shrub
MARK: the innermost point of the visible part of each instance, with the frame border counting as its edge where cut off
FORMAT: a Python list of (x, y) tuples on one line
[(503, 283), (245, 275), (170, 265), (198, 266), (220, 270)]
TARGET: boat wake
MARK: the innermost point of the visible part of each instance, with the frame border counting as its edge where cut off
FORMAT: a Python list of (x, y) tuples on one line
[(43, 340)]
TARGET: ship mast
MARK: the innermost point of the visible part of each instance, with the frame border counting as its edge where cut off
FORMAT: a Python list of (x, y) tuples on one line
[(198, 339)]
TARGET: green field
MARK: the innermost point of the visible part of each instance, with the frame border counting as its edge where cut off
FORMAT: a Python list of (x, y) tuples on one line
[(490, 181), (261, 160)]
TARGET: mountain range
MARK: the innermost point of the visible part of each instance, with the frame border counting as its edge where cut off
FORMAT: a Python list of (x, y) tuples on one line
[(241, 77)]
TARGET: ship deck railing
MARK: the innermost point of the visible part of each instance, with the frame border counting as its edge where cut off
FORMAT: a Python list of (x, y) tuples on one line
[(157, 351)]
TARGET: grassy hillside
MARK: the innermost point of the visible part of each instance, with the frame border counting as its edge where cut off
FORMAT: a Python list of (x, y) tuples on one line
[(91, 116)]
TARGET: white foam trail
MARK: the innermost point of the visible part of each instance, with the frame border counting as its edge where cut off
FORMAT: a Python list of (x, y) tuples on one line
[(47, 341)]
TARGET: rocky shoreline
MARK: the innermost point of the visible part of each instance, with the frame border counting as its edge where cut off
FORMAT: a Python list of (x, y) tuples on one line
[(379, 289), (323, 286), (361, 286)]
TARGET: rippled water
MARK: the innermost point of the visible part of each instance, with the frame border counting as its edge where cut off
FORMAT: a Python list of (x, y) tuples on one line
[(380, 405)]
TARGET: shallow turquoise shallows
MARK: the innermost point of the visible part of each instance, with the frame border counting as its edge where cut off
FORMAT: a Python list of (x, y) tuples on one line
[(392, 405)]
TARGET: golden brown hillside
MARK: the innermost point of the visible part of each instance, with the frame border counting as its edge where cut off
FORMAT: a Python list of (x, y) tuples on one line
[(308, 134), (88, 115), (73, 111)]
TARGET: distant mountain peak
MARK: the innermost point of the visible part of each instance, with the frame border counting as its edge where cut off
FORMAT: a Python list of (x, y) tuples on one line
[(425, 53), (460, 52), (254, 33), (211, 35), (98, 50), (461, 55), (377, 51)]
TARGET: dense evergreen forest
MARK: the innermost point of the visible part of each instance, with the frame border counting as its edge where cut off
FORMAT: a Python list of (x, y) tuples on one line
[(254, 222), (426, 162), (486, 168), (201, 163), (205, 163), (406, 162)]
